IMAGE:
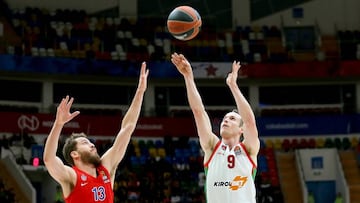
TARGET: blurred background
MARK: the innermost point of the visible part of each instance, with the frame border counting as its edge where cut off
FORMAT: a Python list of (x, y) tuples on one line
[(301, 76)]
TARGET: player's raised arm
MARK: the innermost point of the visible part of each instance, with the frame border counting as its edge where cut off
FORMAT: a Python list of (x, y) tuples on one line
[(251, 139), (55, 166), (114, 155), (204, 128)]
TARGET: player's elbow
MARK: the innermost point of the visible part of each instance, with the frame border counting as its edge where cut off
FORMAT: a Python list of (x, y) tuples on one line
[(47, 158), (129, 127), (198, 111)]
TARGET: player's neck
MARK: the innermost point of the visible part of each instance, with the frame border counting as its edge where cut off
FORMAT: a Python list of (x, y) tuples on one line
[(231, 142), (88, 168)]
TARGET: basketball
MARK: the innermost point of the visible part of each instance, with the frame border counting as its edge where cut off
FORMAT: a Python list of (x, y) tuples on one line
[(184, 23)]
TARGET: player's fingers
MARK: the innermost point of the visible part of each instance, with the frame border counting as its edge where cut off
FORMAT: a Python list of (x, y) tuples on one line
[(143, 67), (74, 114), (69, 103)]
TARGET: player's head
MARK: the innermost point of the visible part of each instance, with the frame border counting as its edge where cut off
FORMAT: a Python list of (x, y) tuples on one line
[(231, 125), (79, 147)]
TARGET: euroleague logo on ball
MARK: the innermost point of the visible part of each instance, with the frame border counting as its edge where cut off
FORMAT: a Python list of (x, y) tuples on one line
[(184, 23)]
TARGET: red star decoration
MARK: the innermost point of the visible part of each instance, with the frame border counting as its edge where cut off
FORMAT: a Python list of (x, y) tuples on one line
[(211, 70)]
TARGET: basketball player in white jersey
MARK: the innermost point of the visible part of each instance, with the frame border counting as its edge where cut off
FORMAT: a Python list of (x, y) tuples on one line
[(230, 164)]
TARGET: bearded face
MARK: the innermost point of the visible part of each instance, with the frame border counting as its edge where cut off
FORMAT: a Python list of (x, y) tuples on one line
[(90, 158)]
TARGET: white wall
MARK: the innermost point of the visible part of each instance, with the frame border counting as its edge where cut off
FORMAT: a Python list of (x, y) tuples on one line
[(328, 169)]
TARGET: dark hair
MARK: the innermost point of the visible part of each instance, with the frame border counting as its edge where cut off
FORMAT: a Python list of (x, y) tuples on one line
[(70, 145)]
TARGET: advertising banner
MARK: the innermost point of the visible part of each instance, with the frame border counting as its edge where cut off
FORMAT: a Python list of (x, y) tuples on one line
[(314, 125), (37, 123), (95, 125)]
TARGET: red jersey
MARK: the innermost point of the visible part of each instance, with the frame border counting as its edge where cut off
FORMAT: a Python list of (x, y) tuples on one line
[(89, 189)]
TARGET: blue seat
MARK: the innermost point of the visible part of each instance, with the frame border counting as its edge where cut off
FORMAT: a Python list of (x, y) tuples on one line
[(159, 144), (262, 163), (134, 160)]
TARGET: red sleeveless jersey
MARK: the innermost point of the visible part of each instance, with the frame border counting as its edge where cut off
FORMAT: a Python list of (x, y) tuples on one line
[(89, 189)]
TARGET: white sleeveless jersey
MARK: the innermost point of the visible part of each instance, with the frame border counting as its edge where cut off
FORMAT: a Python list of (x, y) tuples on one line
[(230, 175)]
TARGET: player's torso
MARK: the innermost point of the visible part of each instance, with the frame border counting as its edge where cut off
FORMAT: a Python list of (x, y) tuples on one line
[(92, 189), (229, 176)]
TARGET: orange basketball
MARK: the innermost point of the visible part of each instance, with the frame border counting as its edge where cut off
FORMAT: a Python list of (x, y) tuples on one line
[(184, 23)]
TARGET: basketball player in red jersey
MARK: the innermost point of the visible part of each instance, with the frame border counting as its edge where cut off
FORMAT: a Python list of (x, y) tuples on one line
[(230, 164), (90, 178)]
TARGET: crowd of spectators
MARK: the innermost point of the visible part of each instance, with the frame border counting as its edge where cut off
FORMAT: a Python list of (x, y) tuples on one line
[(171, 169), (77, 34), (6, 194)]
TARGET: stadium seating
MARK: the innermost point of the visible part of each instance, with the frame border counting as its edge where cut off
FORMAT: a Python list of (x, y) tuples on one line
[(75, 34), (74, 30)]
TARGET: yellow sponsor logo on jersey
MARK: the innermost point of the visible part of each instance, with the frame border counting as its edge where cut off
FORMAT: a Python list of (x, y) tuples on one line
[(238, 182)]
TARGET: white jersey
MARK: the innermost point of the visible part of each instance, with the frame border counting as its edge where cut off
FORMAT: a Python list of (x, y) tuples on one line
[(230, 175)]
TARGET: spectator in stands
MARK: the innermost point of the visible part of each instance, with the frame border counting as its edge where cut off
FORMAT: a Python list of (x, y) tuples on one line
[(311, 198), (6, 195), (233, 181), (338, 198), (58, 195), (90, 178), (266, 192), (4, 142), (358, 154)]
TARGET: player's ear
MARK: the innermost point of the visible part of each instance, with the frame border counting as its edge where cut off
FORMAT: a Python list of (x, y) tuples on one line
[(74, 154), (241, 130)]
